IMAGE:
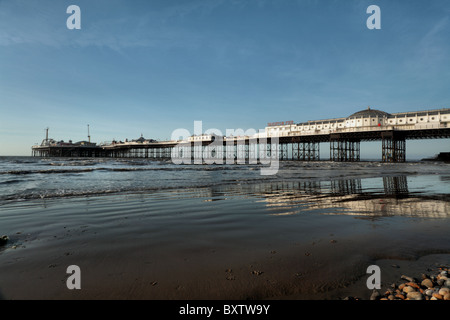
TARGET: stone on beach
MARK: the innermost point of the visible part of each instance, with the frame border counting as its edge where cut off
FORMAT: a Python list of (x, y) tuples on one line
[(414, 295), (444, 291), (429, 292), (3, 240), (413, 284), (427, 283), (375, 295), (408, 289), (407, 278), (438, 296)]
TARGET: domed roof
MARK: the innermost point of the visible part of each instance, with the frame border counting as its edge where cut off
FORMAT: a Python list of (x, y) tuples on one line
[(369, 113)]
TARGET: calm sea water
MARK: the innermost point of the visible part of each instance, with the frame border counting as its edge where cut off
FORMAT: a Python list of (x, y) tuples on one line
[(27, 178)]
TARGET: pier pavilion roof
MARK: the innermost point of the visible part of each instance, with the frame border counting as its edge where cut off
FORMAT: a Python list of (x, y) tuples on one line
[(369, 113)]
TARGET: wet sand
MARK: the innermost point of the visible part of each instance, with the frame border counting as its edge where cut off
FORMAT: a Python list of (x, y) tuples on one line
[(220, 243)]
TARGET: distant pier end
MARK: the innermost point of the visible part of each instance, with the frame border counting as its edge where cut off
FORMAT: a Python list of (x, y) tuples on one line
[(296, 141)]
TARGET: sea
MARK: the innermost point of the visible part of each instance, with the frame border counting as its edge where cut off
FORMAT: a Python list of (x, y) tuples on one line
[(146, 229), (29, 178)]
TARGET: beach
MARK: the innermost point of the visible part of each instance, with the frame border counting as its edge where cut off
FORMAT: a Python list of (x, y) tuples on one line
[(157, 231)]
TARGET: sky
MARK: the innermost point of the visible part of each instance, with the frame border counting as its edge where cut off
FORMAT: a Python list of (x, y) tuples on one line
[(150, 67)]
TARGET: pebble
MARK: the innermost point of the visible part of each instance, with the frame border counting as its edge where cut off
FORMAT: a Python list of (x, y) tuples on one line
[(408, 289), (3, 240), (414, 295), (444, 291), (375, 295), (438, 296), (400, 296), (407, 278), (429, 292), (427, 283), (413, 284)]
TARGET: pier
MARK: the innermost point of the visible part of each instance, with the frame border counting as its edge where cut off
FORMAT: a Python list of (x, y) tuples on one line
[(281, 140)]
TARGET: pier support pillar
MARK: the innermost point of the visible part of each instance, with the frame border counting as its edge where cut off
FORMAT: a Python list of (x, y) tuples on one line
[(344, 149), (305, 150), (393, 147)]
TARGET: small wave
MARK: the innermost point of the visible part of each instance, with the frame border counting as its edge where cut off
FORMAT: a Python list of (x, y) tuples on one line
[(125, 169), (71, 164), (91, 193), (24, 172), (71, 193), (177, 168), (11, 181), (59, 194)]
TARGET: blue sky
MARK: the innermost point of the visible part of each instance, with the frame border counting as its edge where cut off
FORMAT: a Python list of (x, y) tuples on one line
[(150, 67)]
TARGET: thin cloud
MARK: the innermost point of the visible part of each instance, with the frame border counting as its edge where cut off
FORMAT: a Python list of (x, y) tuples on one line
[(42, 23), (432, 49)]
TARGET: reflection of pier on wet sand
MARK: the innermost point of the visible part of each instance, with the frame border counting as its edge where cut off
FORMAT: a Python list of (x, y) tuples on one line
[(347, 195)]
